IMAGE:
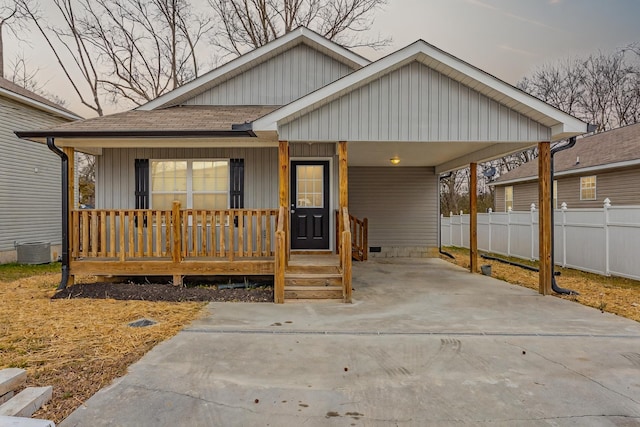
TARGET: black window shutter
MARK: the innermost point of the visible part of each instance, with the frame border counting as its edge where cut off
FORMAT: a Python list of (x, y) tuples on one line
[(142, 183), (236, 190)]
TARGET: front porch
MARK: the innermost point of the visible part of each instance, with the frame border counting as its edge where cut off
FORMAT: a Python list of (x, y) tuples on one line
[(187, 242)]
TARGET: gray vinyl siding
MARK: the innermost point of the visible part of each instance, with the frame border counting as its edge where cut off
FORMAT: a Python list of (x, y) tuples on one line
[(400, 203), (414, 103), (278, 81), (115, 173), (29, 200), (620, 186)]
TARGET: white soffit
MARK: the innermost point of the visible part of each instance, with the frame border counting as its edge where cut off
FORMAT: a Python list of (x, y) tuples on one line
[(563, 125), (255, 57)]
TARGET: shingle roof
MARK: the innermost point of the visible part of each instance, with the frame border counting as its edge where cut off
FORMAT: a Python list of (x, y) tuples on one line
[(185, 118), (19, 90), (614, 146)]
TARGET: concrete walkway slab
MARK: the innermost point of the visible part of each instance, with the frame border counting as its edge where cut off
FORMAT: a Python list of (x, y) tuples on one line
[(425, 343)]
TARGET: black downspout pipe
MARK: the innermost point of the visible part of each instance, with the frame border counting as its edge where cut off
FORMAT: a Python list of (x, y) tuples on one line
[(440, 221), (65, 211), (554, 285)]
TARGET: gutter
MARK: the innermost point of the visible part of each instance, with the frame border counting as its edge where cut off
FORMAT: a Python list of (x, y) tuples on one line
[(191, 133), (554, 285), (440, 219), (65, 210)]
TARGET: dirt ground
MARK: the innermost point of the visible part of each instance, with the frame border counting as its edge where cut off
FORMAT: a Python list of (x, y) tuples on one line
[(164, 292), (79, 340), (611, 294)]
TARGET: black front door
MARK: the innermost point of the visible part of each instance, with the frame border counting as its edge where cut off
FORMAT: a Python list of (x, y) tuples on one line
[(309, 204)]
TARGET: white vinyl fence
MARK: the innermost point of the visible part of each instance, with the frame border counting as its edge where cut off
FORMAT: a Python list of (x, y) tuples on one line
[(603, 240)]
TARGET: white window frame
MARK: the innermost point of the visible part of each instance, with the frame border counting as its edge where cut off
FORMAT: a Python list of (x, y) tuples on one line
[(555, 194), (506, 201), (190, 191), (583, 188)]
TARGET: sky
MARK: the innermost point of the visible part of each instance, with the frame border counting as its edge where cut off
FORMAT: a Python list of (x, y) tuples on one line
[(506, 38)]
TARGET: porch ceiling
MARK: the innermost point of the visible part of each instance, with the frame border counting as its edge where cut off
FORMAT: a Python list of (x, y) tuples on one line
[(444, 156)]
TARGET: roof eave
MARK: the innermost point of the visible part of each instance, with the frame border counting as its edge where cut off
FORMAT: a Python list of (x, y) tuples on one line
[(39, 105), (191, 133)]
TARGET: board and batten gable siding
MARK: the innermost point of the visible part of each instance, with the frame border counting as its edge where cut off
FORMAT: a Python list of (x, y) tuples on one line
[(30, 180), (277, 81), (414, 103), (619, 186), (115, 171), (401, 204)]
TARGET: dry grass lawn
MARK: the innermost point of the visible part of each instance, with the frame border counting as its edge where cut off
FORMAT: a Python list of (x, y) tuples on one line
[(77, 346), (612, 294)]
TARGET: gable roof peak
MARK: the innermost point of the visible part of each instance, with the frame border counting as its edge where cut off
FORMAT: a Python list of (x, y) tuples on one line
[(300, 35)]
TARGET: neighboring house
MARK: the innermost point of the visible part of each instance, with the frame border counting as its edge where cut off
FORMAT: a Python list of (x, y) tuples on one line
[(261, 152), (601, 166), (29, 173)]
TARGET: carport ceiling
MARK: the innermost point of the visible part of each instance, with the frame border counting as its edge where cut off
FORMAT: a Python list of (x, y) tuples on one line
[(422, 154)]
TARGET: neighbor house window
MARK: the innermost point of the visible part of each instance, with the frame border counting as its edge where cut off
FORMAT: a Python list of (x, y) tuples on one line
[(555, 194), (508, 198), (588, 188), (196, 184)]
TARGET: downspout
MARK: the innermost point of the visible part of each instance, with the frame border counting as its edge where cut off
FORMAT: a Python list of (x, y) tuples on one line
[(65, 211), (554, 285), (440, 220)]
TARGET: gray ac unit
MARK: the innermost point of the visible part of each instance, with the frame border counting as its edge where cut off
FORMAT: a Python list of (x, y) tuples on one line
[(34, 253)]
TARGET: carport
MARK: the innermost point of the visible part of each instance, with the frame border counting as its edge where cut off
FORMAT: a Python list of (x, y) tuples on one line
[(404, 120)]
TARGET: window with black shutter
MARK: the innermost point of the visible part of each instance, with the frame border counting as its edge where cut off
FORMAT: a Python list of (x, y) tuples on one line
[(236, 190), (142, 183)]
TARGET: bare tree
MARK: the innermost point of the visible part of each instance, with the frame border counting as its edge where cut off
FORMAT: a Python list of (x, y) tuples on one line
[(602, 89), (11, 18), (147, 47), (248, 24), (133, 50)]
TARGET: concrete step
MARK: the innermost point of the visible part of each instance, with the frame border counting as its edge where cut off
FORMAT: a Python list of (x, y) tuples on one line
[(312, 292), (11, 379), (306, 279), (28, 401), (24, 422)]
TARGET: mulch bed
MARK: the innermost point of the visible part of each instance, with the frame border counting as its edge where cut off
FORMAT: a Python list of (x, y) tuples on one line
[(164, 292)]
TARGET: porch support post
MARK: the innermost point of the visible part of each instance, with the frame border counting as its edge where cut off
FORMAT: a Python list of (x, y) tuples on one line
[(343, 185), (544, 216), (71, 155), (473, 217), (283, 187)]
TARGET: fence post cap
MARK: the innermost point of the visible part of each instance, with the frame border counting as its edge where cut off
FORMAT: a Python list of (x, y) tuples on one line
[(489, 210), (563, 206), (450, 213), (461, 212), (509, 209), (607, 203), (533, 207)]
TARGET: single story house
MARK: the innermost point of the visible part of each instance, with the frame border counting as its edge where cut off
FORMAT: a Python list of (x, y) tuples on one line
[(601, 166), (269, 163), (29, 177)]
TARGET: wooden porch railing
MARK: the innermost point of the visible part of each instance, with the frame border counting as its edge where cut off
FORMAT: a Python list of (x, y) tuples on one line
[(176, 233), (280, 257), (346, 256), (359, 236)]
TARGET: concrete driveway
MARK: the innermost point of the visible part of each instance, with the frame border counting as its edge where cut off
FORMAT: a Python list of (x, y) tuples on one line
[(424, 343)]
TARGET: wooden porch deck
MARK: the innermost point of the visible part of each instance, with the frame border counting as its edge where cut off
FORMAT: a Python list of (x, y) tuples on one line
[(180, 243)]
